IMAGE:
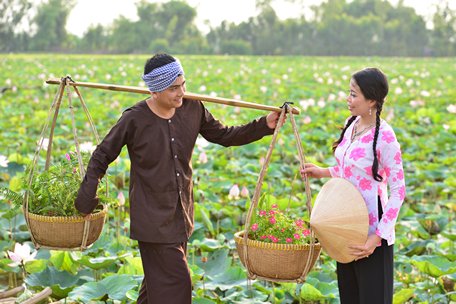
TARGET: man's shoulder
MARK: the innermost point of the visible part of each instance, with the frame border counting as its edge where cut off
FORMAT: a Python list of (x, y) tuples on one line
[(135, 109), (191, 105)]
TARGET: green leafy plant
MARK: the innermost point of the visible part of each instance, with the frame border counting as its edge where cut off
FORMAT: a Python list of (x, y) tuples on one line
[(274, 226), (53, 191)]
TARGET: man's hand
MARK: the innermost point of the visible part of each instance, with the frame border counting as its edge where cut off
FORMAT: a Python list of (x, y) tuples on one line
[(85, 216), (273, 118)]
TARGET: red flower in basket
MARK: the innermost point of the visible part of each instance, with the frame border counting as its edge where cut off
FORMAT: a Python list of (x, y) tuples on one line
[(274, 226)]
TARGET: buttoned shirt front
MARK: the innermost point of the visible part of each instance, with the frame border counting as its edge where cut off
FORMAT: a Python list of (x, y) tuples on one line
[(160, 150)]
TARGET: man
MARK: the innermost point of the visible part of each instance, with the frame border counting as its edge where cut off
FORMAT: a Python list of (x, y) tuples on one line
[(160, 134)]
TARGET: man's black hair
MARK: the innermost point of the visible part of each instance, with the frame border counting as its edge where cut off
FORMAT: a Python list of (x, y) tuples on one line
[(157, 61)]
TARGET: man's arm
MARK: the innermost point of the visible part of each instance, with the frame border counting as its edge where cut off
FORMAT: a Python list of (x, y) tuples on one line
[(105, 153)]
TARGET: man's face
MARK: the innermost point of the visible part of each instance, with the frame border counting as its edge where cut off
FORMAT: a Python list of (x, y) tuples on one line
[(172, 96)]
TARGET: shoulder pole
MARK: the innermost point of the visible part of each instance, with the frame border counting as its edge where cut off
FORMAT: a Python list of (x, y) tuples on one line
[(188, 95)]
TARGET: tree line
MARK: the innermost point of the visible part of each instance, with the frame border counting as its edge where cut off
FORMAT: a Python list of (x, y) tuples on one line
[(338, 27)]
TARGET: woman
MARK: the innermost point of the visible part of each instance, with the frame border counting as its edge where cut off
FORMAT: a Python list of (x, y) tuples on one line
[(369, 156)]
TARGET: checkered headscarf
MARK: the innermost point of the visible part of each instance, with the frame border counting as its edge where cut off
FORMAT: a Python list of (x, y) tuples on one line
[(161, 78)]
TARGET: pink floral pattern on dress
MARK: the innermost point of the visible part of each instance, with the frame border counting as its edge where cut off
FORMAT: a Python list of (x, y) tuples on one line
[(398, 157), (343, 142), (387, 171), (365, 184), (368, 138), (368, 170), (372, 219), (354, 162), (347, 172), (391, 213), (388, 136), (402, 192), (357, 153)]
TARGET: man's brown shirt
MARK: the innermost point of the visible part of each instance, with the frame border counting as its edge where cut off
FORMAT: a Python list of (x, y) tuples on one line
[(160, 150)]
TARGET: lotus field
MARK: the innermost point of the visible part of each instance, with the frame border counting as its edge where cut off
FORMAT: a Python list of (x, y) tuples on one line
[(421, 107)]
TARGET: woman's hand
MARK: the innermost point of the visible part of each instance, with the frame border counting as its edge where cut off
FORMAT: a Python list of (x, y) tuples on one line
[(312, 170), (364, 251)]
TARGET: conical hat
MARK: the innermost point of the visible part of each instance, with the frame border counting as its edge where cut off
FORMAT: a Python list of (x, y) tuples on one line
[(339, 218)]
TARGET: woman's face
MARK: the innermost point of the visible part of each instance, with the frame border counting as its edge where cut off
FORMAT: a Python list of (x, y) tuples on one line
[(358, 105)]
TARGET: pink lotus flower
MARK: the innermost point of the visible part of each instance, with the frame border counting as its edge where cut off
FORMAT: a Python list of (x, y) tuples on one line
[(21, 255), (121, 198), (244, 192), (202, 159), (234, 192)]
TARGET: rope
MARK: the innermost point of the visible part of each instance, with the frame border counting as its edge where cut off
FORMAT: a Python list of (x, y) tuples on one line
[(251, 275), (85, 233), (55, 106), (256, 194)]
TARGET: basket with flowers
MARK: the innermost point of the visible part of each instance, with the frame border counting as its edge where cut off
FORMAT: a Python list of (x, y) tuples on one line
[(274, 226), (274, 245), (279, 246)]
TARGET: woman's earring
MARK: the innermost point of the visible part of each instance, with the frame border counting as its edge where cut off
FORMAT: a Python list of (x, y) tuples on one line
[(370, 111)]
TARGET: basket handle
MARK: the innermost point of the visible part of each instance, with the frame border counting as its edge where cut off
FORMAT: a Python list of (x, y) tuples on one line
[(256, 195), (55, 107), (259, 184)]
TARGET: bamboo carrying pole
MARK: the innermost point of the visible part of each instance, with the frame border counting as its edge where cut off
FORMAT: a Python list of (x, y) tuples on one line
[(131, 89)]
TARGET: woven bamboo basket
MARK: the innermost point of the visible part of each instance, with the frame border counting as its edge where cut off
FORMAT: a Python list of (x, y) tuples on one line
[(270, 261), (63, 232), (284, 262), (66, 232)]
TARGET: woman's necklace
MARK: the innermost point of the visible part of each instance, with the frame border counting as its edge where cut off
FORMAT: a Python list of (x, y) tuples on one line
[(357, 133)]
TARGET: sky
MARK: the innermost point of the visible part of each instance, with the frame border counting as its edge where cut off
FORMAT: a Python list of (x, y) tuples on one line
[(209, 12)]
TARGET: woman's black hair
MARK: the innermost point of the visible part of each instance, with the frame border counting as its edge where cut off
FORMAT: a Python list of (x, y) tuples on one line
[(157, 61), (374, 86)]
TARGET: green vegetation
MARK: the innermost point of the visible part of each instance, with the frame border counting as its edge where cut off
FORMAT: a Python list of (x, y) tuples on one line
[(53, 191), (353, 28), (421, 107)]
